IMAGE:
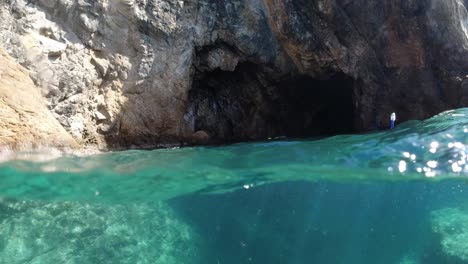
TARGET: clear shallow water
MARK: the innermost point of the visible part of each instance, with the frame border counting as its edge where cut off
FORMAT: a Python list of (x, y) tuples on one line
[(398, 196)]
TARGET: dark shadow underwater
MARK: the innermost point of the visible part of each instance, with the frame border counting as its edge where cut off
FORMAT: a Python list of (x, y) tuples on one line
[(323, 222)]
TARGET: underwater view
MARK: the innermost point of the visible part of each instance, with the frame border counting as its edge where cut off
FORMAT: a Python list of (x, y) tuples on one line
[(398, 196)]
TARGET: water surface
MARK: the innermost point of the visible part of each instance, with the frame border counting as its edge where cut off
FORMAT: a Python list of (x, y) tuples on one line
[(397, 196)]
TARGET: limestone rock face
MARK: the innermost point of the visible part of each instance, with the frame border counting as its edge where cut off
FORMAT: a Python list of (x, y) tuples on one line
[(25, 120), (110, 70), (143, 73)]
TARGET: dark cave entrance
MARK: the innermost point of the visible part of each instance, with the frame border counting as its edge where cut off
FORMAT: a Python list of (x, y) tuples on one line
[(251, 103), (317, 107)]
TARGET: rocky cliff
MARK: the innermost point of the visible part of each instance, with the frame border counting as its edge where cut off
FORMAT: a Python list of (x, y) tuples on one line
[(145, 73), (25, 121)]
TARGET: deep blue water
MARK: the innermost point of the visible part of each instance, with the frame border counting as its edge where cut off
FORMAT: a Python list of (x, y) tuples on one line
[(324, 222)]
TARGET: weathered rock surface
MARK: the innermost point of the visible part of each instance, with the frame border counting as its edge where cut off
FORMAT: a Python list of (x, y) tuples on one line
[(25, 120), (142, 73)]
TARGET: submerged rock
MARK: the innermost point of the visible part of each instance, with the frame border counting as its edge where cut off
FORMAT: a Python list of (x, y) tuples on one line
[(70, 232), (452, 225), (239, 70)]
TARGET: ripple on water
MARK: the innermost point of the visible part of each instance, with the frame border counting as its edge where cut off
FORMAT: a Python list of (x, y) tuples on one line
[(431, 149)]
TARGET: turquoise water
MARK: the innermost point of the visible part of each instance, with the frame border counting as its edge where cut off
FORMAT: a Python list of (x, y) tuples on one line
[(398, 196)]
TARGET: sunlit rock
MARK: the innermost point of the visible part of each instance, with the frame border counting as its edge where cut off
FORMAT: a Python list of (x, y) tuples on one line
[(25, 121)]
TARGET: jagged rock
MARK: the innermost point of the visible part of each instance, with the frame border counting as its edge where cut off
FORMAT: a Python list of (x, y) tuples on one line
[(239, 69), (219, 58), (24, 119), (100, 116)]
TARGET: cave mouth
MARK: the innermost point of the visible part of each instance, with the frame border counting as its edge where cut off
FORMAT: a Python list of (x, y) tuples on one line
[(251, 103)]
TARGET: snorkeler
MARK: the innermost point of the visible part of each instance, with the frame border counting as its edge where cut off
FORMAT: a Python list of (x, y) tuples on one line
[(392, 120)]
